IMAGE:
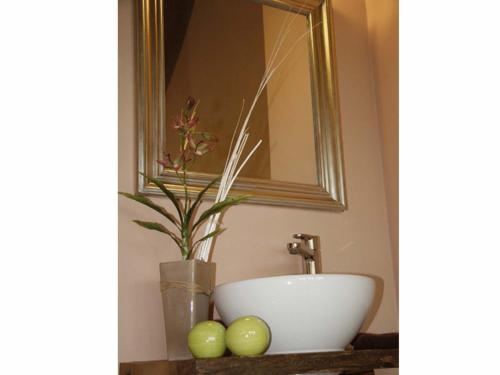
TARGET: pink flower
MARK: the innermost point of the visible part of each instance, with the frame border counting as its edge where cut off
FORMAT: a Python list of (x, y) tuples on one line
[(192, 143), (177, 122), (192, 122)]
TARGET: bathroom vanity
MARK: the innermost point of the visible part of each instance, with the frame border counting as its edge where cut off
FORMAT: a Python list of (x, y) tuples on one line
[(360, 362)]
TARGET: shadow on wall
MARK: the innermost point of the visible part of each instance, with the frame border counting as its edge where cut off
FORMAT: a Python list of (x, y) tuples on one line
[(377, 301)]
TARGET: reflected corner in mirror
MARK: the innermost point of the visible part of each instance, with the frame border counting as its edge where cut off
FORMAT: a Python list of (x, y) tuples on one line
[(299, 163)]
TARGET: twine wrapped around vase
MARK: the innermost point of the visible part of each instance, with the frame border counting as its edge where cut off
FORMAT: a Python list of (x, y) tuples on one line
[(190, 287)]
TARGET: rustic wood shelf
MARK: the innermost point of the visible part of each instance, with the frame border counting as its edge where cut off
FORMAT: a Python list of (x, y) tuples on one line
[(347, 362)]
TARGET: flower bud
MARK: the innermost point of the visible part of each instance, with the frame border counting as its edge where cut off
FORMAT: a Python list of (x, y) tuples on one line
[(190, 102)]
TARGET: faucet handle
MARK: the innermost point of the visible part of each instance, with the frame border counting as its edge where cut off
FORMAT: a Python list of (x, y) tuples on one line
[(302, 236), (311, 240)]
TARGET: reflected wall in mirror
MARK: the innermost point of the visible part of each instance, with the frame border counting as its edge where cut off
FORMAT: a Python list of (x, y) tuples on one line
[(217, 51)]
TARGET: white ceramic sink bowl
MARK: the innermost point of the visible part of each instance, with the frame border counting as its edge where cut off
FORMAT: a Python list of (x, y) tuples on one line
[(306, 313)]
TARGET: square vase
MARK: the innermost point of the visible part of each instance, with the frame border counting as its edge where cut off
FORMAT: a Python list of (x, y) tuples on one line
[(186, 288)]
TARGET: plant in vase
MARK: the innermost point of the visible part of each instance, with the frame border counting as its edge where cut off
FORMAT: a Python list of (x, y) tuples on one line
[(192, 145)]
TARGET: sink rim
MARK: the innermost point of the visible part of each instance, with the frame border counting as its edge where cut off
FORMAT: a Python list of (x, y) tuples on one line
[(318, 276)]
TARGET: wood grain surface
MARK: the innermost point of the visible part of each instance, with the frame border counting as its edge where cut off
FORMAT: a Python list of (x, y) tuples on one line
[(351, 362)]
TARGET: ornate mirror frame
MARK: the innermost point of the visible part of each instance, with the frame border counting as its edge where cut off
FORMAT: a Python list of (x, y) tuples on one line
[(328, 194)]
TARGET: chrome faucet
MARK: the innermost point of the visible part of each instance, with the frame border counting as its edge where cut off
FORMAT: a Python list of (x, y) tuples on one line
[(308, 249)]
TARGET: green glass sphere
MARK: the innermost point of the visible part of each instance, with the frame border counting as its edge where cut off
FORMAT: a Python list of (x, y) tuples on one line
[(248, 336), (206, 340)]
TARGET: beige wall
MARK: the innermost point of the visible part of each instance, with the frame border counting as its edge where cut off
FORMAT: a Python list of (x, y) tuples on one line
[(383, 23), (356, 241)]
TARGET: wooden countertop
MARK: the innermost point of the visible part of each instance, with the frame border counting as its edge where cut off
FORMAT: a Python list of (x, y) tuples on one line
[(347, 362)]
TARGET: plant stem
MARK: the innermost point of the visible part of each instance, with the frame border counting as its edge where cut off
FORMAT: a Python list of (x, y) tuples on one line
[(185, 243), (185, 229), (184, 226), (186, 197)]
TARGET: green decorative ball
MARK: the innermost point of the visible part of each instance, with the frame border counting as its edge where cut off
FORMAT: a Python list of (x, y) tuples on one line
[(248, 336), (206, 340)]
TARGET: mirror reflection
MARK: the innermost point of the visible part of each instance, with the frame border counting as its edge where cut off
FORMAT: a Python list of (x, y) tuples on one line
[(216, 51)]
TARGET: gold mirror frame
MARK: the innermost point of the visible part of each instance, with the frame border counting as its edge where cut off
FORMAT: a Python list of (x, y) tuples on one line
[(328, 194)]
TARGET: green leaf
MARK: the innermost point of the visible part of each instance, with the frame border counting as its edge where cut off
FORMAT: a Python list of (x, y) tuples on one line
[(148, 202), (160, 228), (216, 232), (219, 207), (211, 234), (200, 195), (167, 192)]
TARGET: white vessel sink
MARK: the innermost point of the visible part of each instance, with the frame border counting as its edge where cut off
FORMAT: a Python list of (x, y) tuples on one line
[(306, 313)]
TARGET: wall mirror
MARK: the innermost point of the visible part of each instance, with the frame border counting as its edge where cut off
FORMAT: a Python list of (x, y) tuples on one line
[(217, 51)]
